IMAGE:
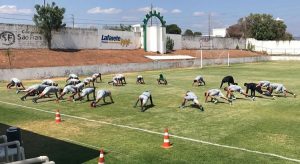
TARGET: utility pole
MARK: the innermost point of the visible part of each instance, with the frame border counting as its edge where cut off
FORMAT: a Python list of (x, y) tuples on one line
[(73, 20), (209, 29), (209, 17), (151, 12)]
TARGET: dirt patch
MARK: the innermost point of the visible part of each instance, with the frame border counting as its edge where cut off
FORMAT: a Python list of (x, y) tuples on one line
[(28, 58)]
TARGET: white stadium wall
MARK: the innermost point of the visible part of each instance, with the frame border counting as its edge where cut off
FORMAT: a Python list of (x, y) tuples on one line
[(27, 37), (50, 72), (276, 47), (109, 39), (20, 37), (195, 42), (177, 41), (75, 38)]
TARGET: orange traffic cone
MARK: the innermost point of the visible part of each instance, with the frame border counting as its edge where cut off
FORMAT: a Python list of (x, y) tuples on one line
[(101, 157), (57, 117), (166, 143)]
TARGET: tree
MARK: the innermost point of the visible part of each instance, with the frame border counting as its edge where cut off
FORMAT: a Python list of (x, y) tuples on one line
[(260, 27), (121, 27), (173, 29), (197, 33), (48, 18), (169, 44), (188, 32)]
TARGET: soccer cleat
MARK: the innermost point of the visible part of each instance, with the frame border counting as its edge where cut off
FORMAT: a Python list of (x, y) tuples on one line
[(18, 91), (216, 101), (233, 97), (34, 100), (253, 98), (201, 108), (181, 107), (295, 95), (22, 98)]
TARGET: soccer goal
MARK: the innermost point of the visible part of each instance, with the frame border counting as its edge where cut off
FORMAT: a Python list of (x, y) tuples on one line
[(213, 57)]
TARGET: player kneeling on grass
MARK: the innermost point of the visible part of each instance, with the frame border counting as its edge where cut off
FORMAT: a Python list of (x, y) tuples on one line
[(122, 78), (49, 82), (200, 80), (279, 88), (32, 90), (101, 94), (143, 98), (140, 80), (72, 76), (96, 76), (162, 80), (214, 94), (47, 91), (86, 92), (235, 88), (253, 87), (229, 80), (15, 82), (117, 80), (264, 84), (191, 96), (88, 81), (68, 89), (73, 82)]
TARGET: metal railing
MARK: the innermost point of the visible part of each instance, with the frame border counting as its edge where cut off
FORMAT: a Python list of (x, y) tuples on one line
[(41, 159), (11, 152)]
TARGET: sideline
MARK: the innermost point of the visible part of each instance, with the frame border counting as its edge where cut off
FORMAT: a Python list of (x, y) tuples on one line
[(153, 132)]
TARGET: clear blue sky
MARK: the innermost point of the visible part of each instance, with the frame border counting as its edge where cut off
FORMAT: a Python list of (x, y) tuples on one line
[(192, 14)]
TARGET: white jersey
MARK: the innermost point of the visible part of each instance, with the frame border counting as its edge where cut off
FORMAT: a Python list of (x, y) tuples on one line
[(198, 78), (86, 91), (50, 89), (73, 81), (36, 87), (79, 86), (102, 93), (95, 75), (235, 88), (48, 82), (264, 83), (139, 76), (73, 76), (88, 79), (145, 96), (191, 96), (120, 76), (279, 88), (215, 92), (15, 80), (69, 88)]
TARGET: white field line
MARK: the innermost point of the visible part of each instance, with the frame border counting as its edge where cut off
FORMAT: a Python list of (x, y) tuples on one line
[(153, 132)]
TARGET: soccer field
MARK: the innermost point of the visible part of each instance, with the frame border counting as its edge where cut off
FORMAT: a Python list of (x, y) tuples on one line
[(240, 133)]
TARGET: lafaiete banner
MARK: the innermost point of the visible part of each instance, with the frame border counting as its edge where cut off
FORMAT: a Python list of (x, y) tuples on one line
[(109, 39)]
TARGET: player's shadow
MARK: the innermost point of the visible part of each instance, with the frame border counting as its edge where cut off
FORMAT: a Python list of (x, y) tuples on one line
[(219, 102), (45, 100), (57, 150), (147, 107), (104, 104), (264, 97)]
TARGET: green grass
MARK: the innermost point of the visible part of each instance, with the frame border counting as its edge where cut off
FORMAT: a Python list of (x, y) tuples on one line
[(264, 125)]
